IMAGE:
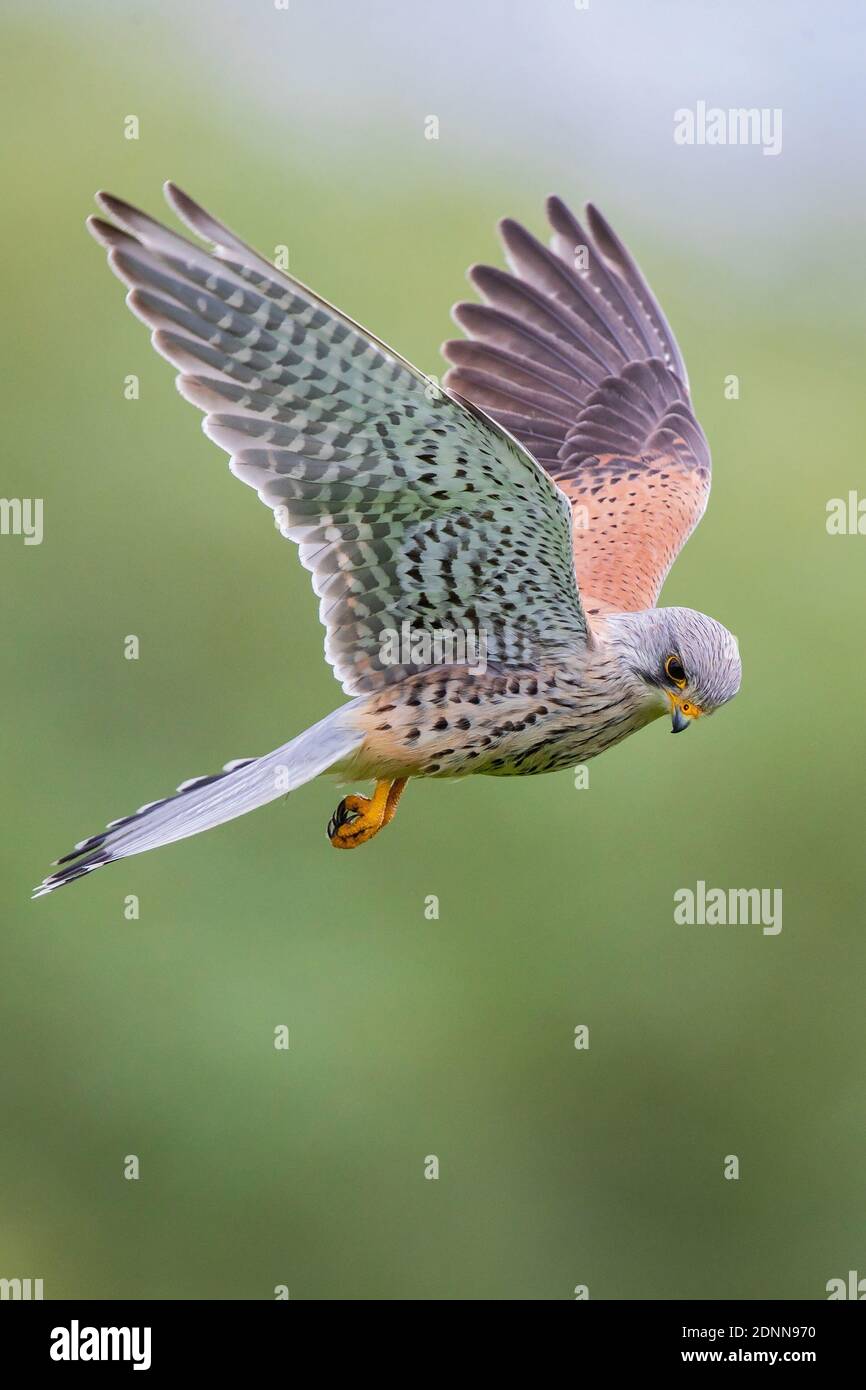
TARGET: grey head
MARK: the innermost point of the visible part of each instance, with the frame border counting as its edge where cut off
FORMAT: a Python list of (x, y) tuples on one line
[(687, 664)]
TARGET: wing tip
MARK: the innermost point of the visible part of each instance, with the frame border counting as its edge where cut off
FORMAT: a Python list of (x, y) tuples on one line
[(510, 229), (140, 303), (446, 345), (110, 203), (105, 233), (554, 206), (480, 274), (601, 228), (179, 201)]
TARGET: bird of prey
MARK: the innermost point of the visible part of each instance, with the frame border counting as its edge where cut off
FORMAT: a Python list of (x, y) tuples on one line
[(535, 501)]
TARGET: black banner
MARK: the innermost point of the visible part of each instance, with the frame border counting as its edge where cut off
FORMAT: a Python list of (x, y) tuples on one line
[(67, 1338)]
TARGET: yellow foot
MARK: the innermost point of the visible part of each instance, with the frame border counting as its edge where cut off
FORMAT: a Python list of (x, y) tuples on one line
[(358, 818)]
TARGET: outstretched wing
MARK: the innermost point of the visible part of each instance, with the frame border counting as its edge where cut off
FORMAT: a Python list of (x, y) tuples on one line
[(571, 353), (408, 506)]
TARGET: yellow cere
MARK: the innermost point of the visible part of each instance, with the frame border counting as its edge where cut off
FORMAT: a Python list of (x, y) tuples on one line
[(688, 707)]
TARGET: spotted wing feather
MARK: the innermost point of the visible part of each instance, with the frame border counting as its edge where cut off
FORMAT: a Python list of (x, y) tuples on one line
[(408, 505)]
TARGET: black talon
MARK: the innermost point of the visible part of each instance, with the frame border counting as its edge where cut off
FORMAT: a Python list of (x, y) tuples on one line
[(341, 816)]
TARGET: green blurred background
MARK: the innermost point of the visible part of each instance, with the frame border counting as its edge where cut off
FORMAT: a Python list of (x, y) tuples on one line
[(412, 1037)]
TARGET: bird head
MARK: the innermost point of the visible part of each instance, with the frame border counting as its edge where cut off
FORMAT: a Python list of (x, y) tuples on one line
[(688, 664)]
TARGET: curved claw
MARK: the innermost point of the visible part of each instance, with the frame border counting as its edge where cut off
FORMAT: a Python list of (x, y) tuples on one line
[(344, 815), (358, 818)]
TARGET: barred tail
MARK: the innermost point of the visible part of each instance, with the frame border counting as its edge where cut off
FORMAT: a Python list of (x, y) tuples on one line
[(203, 802)]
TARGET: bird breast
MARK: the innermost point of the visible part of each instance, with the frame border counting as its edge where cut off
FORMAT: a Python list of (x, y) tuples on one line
[(449, 723)]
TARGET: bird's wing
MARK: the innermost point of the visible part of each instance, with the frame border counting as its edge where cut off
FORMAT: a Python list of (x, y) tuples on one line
[(408, 506), (571, 353)]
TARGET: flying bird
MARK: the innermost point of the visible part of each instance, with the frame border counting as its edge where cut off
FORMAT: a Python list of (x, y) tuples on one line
[(534, 501)]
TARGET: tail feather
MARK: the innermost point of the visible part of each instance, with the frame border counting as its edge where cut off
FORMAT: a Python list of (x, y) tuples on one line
[(203, 802)]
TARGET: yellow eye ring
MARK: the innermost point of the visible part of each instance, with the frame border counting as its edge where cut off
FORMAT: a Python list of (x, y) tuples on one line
[(674, 671)]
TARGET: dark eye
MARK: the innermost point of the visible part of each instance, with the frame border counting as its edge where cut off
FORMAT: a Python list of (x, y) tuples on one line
[(674, 671)]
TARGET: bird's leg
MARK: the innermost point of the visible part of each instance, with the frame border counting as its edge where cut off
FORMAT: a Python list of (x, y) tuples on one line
[(358, 818)]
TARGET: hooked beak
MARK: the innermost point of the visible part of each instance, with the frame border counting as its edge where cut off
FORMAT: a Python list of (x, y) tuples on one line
[(682, 713), (678, 721)]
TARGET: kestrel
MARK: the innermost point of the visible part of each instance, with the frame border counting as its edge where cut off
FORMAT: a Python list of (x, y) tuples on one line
[(533, 503)]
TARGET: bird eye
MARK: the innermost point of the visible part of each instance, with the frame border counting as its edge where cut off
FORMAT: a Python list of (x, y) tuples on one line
[(674, 671)]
